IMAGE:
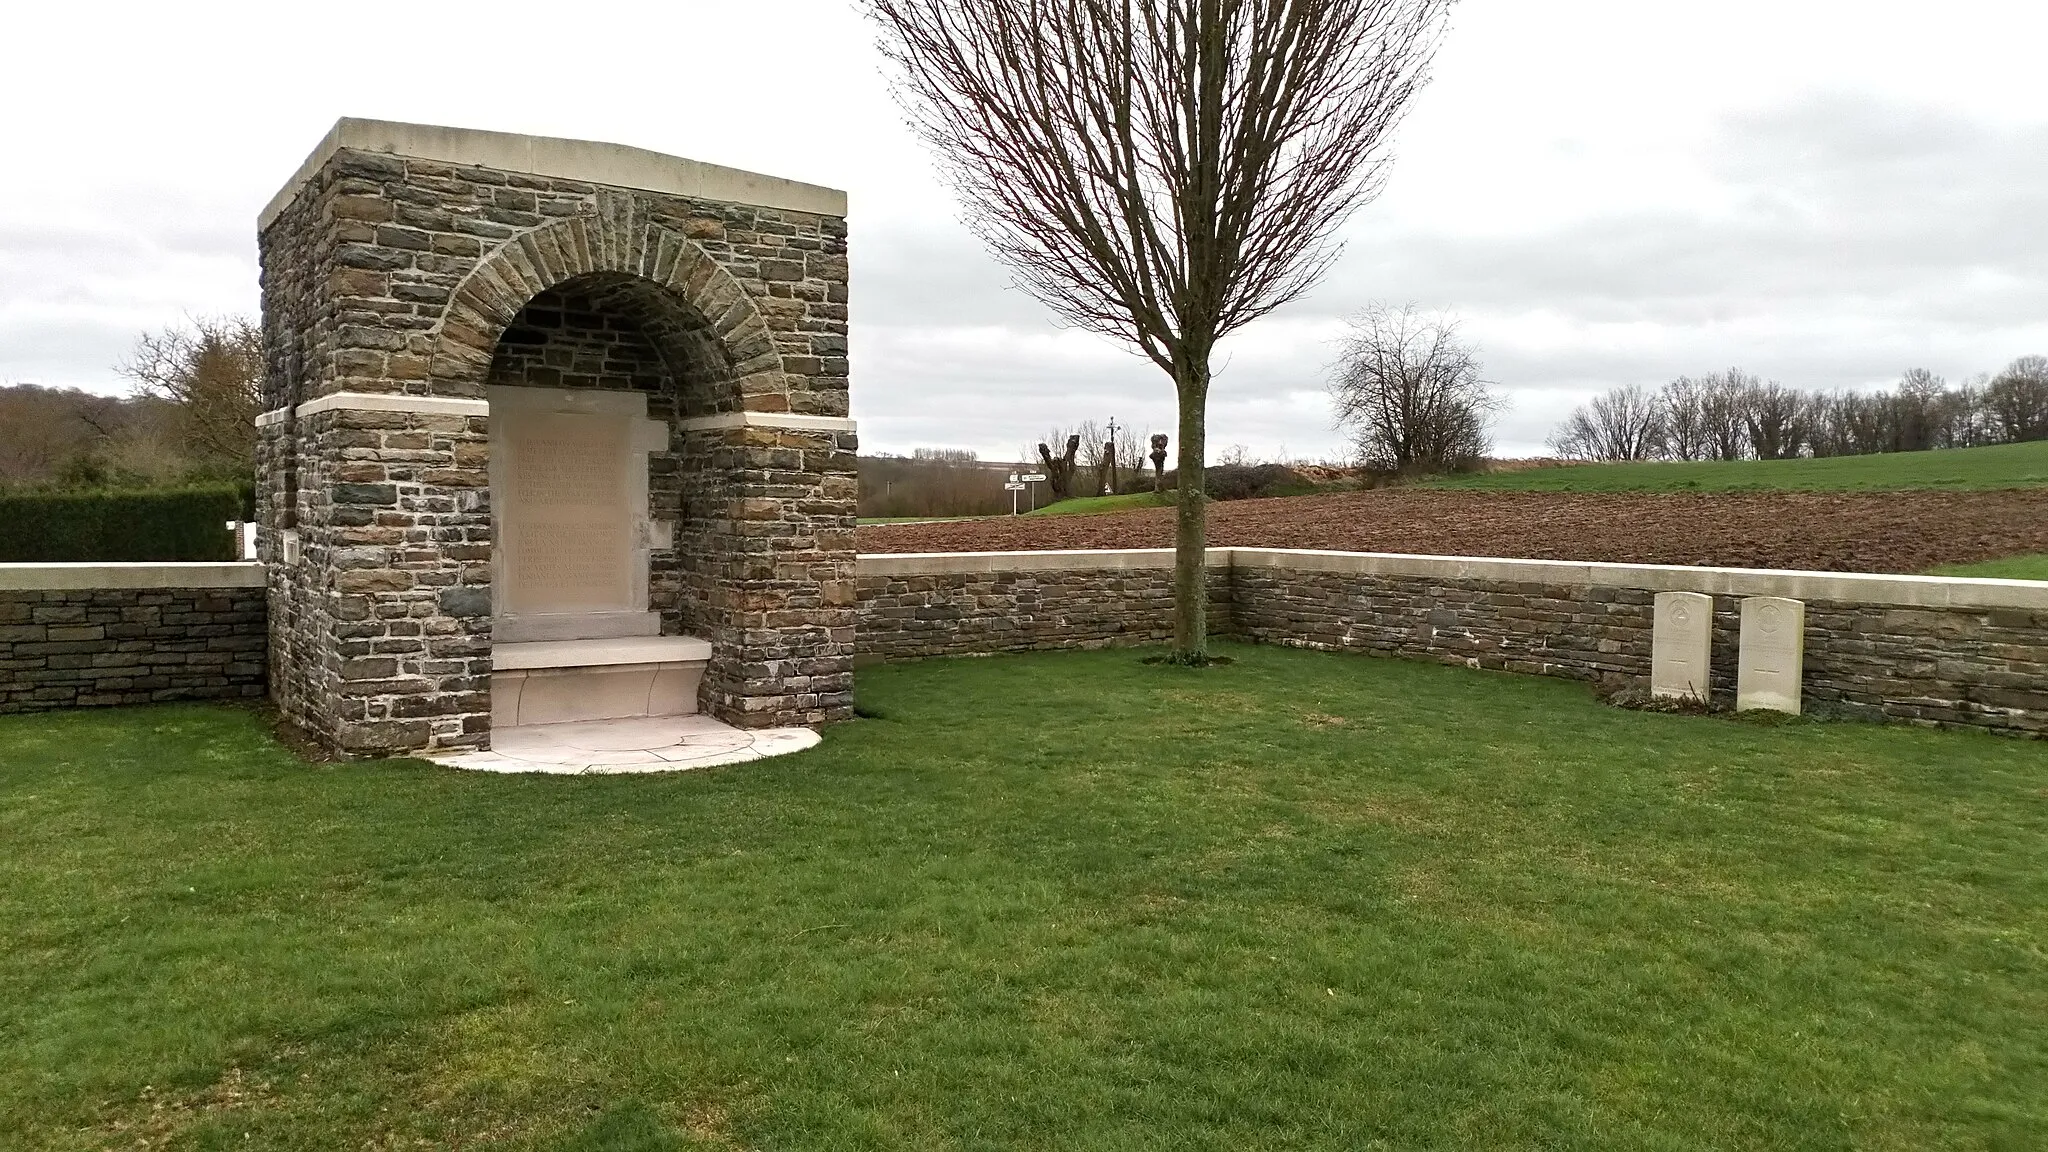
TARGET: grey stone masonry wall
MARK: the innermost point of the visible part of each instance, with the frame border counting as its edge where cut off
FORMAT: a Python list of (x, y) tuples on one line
[(145, 642), (961, 604), (1978, 667), (406, 268), (1964, 653), (1600, 634), (766, 551), (400, 655), (1970, 653)]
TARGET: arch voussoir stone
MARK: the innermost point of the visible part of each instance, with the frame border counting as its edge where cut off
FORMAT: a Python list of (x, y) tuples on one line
[(531, 263)]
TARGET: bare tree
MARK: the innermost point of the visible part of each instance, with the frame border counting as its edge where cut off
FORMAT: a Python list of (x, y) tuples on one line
[(1162, 171), (1684, 404), (1409, 391), (1130, 451), (2017, 400), (1775, 418), (1098, 456), (1726, 411), (212, 369), (1625, 424), (1916, 415), (1827, 433)]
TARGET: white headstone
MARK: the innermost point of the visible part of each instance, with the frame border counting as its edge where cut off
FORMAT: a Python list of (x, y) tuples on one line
[(1681, 646), (1773, 655)]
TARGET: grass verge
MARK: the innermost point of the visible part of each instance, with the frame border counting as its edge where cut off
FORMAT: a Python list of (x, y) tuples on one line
[(2010, 568), (1061, 900), (1084, 505), (1997, 466)]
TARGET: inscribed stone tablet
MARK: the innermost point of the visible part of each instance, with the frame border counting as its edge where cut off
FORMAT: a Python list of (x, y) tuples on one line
[(1773, 654), (1681, 645), (567, 521)]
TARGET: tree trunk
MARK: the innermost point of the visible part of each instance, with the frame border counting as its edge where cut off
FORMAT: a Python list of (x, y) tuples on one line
[(1190, 537)]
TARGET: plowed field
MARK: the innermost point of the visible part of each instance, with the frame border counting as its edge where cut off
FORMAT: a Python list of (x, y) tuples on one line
[(1814, 531)]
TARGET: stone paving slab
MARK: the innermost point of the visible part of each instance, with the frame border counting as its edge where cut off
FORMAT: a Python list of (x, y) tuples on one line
[(640, 744)]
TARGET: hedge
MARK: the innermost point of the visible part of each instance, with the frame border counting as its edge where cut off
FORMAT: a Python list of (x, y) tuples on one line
[(92, 526)]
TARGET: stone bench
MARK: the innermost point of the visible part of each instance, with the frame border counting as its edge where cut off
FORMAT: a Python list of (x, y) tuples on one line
[(558, 681)]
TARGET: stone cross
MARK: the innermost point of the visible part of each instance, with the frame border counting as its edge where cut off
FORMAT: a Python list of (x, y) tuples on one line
[(1772, 658), (1681, 646)]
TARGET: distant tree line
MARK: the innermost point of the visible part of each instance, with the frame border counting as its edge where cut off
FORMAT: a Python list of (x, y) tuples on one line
[(932, 482), (190, 418), (1735, 415)]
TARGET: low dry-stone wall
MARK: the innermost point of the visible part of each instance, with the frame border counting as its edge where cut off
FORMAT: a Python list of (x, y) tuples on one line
[(1920, 648), (962, 603), (1925, 649), (80, 635)]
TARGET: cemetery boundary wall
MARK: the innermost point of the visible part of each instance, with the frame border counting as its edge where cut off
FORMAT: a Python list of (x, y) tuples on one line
[(1927, 649), (81, 635), (1931, 650)]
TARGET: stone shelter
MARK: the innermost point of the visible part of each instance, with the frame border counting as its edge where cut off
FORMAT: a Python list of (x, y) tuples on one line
[(554, 430)]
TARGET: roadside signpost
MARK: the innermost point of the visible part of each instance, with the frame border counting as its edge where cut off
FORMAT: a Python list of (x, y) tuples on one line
[(1014, 486), (1027, 478)]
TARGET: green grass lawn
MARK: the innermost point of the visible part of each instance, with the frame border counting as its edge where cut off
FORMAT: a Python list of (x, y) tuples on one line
[(1999, 466), (1083, 505), (1053, 901), (2010, 568)]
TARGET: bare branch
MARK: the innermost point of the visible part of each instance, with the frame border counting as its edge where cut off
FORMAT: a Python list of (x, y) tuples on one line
[(1410, 391), (1161, 171)]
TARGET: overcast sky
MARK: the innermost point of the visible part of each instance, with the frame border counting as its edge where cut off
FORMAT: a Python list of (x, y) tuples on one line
[(1825, 193)]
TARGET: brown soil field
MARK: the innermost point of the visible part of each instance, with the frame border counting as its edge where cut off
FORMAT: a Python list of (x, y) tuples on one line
[(1813, 531)]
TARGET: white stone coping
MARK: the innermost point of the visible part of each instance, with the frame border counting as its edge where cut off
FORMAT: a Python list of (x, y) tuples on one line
[(792, 420), (1069, 560), (1846, 587), (85, 577), (589, 161), (395, 402), (599, 653), (381, 402), (458, 406)]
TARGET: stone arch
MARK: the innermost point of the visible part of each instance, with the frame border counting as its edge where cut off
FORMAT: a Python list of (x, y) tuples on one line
[(386, 316), (611, 242)]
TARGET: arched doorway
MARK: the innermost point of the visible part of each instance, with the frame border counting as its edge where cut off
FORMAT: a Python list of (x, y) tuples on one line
[(595, 614), (667, 337)]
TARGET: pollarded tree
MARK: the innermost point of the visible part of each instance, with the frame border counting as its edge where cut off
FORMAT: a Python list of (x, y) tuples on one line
[(1410, 392), (1162, 172)]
